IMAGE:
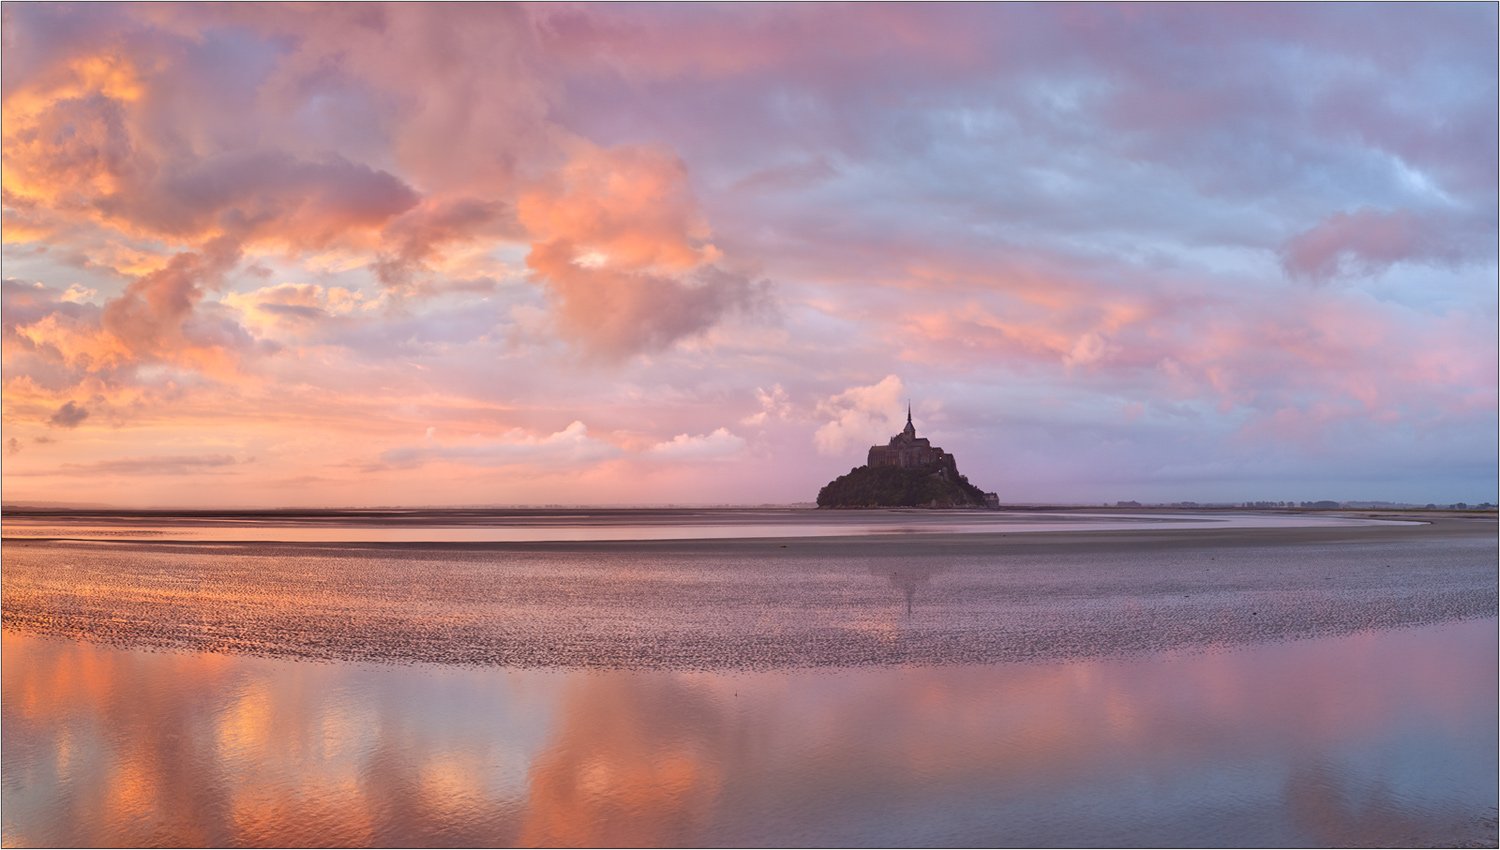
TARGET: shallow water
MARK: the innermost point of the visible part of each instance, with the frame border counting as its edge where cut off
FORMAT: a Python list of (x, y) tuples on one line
[(1369, 739)]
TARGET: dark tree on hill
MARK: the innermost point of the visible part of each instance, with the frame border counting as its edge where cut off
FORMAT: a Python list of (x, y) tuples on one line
[(894, 487)]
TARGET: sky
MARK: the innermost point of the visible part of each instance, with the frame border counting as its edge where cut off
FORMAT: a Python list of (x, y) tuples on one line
[(482, 254)]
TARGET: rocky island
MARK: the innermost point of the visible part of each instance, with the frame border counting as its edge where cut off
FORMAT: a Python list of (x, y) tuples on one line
[(907, 472)]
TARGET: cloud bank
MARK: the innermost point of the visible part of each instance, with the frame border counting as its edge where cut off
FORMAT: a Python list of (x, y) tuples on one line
[(1157, 252)]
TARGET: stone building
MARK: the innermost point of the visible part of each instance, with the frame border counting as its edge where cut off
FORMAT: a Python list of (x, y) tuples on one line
[(909, 451)]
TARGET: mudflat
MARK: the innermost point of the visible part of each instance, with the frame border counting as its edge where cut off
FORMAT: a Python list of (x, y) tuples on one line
[(723, 604)]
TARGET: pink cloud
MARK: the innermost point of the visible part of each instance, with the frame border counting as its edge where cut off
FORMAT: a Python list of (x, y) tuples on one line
[(1364, 242), (570, 447), (719, 444), (861, 416), (418, 236), (154, 319), (714, 42)]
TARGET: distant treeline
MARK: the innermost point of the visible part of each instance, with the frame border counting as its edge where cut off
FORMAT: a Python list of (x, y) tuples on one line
[(1321, 505)]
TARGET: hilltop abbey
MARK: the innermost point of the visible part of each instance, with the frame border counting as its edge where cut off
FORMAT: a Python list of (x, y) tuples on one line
[(908, 471), (909, 451)]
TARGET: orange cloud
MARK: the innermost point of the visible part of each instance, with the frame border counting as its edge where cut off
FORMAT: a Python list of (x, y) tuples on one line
[(623, 208), (621, 244), (83, 143), (65, 138), (153, 319)]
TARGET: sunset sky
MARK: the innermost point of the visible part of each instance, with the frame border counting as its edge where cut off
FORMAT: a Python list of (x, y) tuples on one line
[(489, 254)]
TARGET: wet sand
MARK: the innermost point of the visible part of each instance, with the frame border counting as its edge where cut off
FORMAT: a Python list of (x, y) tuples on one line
[(617, 526), (717, 604)]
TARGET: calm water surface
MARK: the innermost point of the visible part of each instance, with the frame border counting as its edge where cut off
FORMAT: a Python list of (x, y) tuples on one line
[(1375, 738)]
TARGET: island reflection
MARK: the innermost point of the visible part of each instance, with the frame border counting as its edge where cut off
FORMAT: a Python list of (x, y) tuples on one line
[(908, 578), (104, 746)]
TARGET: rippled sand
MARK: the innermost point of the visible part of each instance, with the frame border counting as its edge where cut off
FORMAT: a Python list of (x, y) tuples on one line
[(756, 603)]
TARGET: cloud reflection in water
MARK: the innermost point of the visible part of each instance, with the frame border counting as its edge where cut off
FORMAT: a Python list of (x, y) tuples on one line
[(1377, 737)]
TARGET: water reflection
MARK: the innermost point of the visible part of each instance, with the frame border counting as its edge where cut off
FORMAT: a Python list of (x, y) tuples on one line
[(1375, 738), (635, 761), (907, 577)]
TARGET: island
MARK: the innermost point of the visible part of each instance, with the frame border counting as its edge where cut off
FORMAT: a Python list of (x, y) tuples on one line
[(907, 472)]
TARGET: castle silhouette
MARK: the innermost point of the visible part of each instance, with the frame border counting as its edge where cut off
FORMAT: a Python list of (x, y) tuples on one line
[(907, 471), (908, 451)]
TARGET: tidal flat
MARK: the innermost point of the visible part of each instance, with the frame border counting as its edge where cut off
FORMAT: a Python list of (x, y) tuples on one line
[(1041, 680)]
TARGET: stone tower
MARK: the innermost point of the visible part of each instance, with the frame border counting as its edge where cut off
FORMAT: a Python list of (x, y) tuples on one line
[(907, 450)]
